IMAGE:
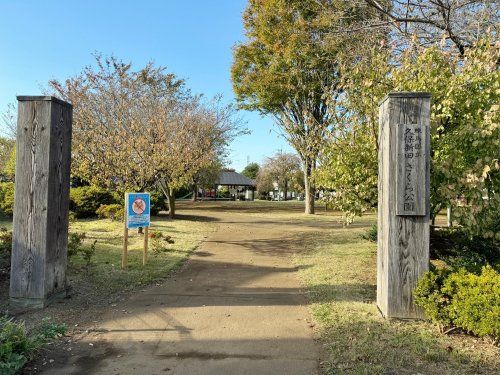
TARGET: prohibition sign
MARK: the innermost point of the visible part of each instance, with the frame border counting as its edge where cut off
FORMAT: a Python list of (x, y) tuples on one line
[(139, 206)]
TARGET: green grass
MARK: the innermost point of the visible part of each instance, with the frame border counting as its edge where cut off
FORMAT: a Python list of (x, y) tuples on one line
[(340, 275), (105, 271)]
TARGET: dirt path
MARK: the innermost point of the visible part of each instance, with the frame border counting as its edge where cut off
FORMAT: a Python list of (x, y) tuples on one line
[(235, 308)]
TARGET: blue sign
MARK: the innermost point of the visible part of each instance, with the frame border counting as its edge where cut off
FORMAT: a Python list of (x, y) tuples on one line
[(138, 210)]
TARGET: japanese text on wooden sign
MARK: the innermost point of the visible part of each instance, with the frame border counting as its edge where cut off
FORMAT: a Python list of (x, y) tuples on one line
[(411, 173), (137, 210)]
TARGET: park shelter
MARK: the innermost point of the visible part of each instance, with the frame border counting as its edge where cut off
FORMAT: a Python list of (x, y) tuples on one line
[(239, 186)]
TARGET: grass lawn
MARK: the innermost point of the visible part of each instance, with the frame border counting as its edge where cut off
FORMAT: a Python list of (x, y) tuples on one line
[(105, 277), (340, 274), (105, 271)]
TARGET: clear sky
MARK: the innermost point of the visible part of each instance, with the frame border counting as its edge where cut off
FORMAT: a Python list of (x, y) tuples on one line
[(42, 40)]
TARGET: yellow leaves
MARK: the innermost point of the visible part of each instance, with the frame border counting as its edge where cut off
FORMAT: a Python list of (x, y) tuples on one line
[(486, 169)]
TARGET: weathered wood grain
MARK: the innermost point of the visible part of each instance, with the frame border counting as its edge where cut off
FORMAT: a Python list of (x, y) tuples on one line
[(41, 201), (403, 240)]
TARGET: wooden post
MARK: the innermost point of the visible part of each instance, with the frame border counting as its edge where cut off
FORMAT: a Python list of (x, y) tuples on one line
[(125, 243), (403, 201), (145, 252), (41, 204)]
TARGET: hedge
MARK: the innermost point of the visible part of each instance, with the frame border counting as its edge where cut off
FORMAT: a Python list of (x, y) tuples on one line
[(462, 299), (85, 200)]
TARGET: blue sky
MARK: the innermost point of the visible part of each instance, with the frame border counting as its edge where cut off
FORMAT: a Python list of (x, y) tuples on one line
[(42, 40)]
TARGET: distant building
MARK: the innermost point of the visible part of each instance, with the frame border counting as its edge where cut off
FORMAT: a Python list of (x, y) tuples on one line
[(231, 185), (240, 187), (279, 195)]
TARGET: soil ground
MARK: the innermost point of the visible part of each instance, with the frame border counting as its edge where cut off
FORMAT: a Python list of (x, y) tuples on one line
[(236, 307)]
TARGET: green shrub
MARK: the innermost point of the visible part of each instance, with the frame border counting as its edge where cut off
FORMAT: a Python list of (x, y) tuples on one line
[(17, 346), (430, 296), (6, 198), (76, 246), (5, 247), (75, 243), (371, 234), (475, 303), (85, 200), (462, 299), (5, 239), (158, 203), (113, 211), (88, 253), (14, 346)]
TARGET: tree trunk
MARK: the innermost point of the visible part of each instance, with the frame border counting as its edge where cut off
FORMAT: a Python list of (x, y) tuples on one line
[(309, 187), (170, 195), (195, 193), (171, 203), (285, 191)]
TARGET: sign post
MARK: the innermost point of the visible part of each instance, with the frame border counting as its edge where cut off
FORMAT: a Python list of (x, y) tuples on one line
[(137, 214), (403, 201)]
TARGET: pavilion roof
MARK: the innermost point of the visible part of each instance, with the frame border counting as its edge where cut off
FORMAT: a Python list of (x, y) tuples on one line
[(234, 178)]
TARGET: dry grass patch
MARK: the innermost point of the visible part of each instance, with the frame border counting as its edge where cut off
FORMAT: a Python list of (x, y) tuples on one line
[(341, 280)]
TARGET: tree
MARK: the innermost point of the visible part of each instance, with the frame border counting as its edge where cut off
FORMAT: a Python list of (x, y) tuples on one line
[(8, 145), (9, 121), (135, 129), (465, 168), (349, 160), (465, 136), (206, 177), (251, 171), (9, 170), (460, 23), (288, 68), (6, 150), (284, 170), (198, 144)]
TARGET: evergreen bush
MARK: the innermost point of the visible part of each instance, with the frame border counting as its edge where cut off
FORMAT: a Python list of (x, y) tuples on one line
[(462, 299), (85, 200)]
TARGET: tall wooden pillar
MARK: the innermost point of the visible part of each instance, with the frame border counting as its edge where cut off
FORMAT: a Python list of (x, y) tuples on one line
[(41, 201), (403, 201)]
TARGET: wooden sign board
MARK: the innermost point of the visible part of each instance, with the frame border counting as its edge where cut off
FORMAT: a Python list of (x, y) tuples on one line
[(40, 223), (403, 202), (411, 170)]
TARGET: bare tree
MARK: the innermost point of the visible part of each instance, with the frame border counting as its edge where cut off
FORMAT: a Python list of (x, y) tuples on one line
[(461, 23), (9, 121)]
